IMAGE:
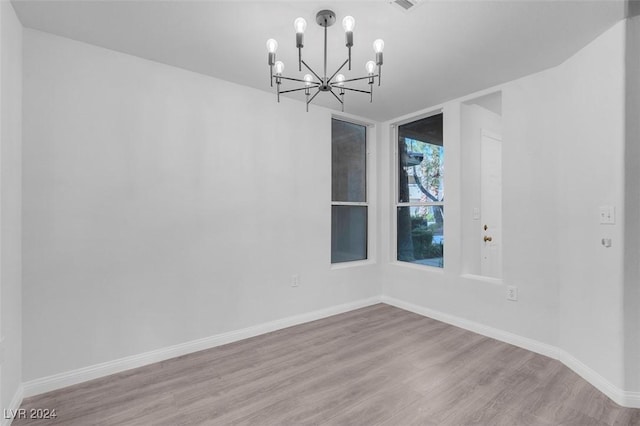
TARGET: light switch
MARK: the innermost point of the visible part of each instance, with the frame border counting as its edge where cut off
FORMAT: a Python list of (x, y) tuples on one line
[(476, 213), (607, 215)]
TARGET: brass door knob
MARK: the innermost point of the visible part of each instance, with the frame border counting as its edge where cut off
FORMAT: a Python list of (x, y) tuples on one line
[(487, 239)]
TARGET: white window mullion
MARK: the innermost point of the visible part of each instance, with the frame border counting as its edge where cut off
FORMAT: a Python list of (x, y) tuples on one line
[(348, 203)]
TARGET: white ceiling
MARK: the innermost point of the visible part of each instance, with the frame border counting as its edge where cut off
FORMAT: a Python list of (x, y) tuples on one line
[(438, 51)]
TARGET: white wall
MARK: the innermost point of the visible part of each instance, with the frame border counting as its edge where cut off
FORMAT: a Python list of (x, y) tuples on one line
[(163, 206), (590, 149), (563, 156), (10, 205), (526, 144), (632, 204)]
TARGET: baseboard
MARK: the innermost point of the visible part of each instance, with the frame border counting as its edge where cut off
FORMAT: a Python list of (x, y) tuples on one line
[(494, 333), (631, 399), (617, 395), (16, 402), (58, 381)]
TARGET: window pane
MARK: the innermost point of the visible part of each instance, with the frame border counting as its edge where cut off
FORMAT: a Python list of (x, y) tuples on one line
[(348, 233), (421, 161), (420, 235), (348, 166)]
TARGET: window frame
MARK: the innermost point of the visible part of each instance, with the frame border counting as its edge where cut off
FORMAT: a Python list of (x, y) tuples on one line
[(395, 193), (369, 193)]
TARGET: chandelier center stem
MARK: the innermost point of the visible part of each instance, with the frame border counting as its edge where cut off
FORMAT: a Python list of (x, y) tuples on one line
[(325, 55)]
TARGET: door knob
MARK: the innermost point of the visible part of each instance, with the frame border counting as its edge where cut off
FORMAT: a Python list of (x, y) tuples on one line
[(487, 239), (486, 227)]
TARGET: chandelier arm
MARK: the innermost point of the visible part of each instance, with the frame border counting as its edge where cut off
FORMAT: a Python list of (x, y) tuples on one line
[(313, 97), (338, 70), (292, 90), (312, 71), (298, 80), (336, 96), (357, 90), (361, 78)]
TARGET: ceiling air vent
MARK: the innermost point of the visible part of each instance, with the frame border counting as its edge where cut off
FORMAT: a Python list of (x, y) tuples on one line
[(406, 5)]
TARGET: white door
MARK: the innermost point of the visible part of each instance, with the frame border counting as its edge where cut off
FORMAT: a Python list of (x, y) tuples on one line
[(491, 205)]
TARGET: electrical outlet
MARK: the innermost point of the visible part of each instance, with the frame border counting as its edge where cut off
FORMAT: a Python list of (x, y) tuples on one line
[(295, 280), (512, 292), (607, 215)]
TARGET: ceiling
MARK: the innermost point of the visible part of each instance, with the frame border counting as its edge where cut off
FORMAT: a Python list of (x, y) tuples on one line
[(438, 51)]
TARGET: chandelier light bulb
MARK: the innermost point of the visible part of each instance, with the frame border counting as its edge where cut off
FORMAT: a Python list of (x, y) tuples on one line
[(340, 79), (370, 67), (300, 25), (348, 23), (272, 45), (378, 45), (307, 80), (279, 67)]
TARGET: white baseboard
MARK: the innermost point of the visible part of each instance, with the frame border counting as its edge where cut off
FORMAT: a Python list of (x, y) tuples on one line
[(494, 333), (631, 399), (16, 402), (617, 395), (620, 397), (57, 381)]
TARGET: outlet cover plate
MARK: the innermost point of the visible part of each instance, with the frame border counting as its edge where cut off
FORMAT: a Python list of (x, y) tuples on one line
[(607, 215)]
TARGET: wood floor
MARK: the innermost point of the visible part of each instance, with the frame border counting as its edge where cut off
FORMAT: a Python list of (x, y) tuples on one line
[(374, 366)]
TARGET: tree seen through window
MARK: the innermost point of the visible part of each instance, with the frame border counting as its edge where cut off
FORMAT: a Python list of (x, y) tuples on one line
[(420, 228)]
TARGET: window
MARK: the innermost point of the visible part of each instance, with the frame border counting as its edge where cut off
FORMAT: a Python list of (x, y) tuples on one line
[(420, 192), (349, 209)]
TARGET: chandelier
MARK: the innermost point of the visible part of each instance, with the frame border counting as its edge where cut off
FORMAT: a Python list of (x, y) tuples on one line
[(314, 82)]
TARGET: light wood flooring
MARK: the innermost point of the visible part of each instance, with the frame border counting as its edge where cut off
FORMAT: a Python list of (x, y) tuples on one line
[(374, 366)]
